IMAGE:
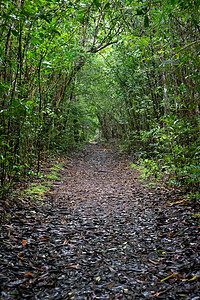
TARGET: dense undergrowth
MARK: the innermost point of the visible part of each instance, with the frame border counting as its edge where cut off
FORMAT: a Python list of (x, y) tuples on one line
[(73, 72)]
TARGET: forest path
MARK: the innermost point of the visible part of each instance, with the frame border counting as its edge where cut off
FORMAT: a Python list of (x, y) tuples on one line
[(101, 234)]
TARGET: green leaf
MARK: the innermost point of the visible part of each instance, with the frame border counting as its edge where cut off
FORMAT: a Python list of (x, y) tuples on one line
[(172, 2), (56, 31), (107, 5), (41, 34), (139, 12), (44, 17), (146, 21), (97, 3), (14, 32)]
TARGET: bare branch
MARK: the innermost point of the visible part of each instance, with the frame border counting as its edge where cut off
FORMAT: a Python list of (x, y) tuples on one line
[(102, 47)]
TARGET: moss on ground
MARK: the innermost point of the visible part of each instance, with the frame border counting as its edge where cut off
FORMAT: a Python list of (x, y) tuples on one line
[(57, 167), (53, 176), (38, 190)]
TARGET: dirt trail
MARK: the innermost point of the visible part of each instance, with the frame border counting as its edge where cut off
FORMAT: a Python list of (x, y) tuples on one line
[(101, 235)]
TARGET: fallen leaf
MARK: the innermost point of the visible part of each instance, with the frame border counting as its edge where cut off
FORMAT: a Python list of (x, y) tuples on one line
[(140, 281), (193, 278), (73, 267), (24, 242), (110, 285), (112, 270), (153, 262), (168, 277), (44, 275), (98, 278), (154, 295), (15, 283), (29, 274), (22, 258), (177, 202)]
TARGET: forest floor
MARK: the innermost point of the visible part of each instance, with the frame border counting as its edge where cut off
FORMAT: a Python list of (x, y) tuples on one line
[(100, 232)]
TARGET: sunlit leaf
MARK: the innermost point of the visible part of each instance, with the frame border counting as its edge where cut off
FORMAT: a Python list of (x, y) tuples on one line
[(98, 278)]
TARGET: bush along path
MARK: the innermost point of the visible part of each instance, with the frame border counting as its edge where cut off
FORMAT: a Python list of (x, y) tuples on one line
[(100, 233)]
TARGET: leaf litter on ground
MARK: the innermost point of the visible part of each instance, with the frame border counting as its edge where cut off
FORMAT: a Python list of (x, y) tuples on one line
[(99, 233)]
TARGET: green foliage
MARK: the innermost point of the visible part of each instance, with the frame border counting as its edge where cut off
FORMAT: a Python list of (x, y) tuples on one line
[(53, 176), (142, 170), (43, 45), (183, 157), (195, 196), (57, 168), (152, 167), (37, 191)]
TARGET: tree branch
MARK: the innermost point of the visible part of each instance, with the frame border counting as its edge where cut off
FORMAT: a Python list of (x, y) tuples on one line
[(193, 43)]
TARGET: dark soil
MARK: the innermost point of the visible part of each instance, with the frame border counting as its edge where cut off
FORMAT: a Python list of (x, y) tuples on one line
[(100, 234)]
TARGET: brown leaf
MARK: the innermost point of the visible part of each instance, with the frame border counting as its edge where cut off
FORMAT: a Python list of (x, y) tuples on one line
[(70, 245), (153, 262), (154, 295), (22, 258), (110, 285), (29, 274), (73, 267), (44, 275), (24, 242), (140, 281)]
